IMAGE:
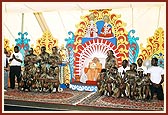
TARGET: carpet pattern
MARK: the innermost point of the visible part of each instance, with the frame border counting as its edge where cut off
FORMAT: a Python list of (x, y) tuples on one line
[(65, 97), (123, 103), (91, 99)]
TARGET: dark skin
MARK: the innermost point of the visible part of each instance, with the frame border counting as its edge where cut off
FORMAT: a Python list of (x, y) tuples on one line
[(43, 50), (54, 51), (139, 62), (16, 50), (31, 54), (124, 64), (5, 51), (110, 54), (154, 63)]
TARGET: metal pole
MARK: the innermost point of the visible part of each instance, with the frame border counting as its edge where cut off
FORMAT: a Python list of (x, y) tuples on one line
[(22, 22)]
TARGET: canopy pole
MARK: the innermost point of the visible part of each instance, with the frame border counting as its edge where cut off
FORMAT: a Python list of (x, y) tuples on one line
[(132, 15), (22, 22), (40, 19), (158, 17)]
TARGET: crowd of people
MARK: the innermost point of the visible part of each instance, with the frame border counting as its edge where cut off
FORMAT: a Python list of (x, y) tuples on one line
[(41, 73), (133, 81)]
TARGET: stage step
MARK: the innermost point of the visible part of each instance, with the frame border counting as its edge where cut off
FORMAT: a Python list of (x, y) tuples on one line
[(83, 87)]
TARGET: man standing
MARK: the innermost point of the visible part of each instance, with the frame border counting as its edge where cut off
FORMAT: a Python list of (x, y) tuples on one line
[(156, 75), (30, 58), (111, 60), (15, 67), (6, 69), (43, 59)]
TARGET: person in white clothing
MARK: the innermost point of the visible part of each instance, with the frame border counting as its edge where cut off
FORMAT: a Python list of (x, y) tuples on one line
[(122, 70), (156, 75), (140, 66), (16, 60)]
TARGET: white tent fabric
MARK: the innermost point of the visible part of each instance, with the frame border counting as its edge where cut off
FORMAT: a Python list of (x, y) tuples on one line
[(61, 17)]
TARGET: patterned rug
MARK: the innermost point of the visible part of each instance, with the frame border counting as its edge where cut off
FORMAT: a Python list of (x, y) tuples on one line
[(66, 97), (89, 99), (123, 103)]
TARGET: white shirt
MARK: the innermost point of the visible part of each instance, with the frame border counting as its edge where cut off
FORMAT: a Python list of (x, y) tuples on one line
[(4, 60), (144, 69), (14, 62), (121, 69), (155, 74)]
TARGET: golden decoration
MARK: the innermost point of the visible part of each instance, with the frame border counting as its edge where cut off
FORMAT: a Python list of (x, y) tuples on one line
[(121, 35), (118, 29), (46, 40), (155, 45), (7, 46), (66, 75)]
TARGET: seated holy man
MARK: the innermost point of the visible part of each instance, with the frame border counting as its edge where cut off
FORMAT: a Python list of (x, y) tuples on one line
[(93, 70)]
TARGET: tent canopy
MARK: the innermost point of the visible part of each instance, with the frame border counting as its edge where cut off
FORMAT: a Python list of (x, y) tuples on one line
[(62, 17), (24, 7)]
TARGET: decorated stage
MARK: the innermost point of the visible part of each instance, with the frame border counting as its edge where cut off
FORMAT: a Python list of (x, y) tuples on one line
[(72, 100), (80, 48)]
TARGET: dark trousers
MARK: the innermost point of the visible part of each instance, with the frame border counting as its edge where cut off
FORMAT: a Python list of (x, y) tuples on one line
[(14, 71), (158, 91)]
